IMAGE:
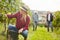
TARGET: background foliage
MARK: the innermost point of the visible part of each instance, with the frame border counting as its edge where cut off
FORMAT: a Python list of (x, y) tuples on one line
[(56, 22)]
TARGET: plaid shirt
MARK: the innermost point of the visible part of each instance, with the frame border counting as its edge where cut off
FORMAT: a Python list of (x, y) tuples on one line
[(20, 23)]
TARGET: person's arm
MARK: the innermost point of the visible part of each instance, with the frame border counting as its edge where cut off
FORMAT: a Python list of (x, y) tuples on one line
[(52, 16), (47, 17), (12, 15), (37, 17), (27, 23)]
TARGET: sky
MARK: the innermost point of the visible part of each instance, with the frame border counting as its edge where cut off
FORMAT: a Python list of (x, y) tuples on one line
[(43, 5)]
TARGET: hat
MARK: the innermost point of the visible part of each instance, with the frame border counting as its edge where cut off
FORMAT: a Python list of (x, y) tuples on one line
[(24, 7)]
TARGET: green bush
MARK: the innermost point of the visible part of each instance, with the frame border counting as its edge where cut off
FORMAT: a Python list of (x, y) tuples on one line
[(56, 20)]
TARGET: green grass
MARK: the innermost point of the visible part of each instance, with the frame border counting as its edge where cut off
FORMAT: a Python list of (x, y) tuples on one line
[(40, 34)]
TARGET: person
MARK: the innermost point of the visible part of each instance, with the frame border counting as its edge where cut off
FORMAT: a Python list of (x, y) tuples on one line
[(22, 22), (35, 21), (49, 21)]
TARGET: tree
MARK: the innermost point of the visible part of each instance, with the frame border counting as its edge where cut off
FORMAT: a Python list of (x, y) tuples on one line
[(8, 6), (56, 21)]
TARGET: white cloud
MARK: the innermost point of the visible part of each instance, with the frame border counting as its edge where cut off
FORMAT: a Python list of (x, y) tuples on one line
[(43, 5)]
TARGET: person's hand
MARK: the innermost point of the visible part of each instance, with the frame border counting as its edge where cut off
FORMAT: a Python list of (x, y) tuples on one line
[(20, 31), (9, 13), (5, 15)]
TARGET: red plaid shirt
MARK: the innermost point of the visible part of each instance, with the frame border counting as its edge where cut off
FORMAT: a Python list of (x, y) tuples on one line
[(20, 23)]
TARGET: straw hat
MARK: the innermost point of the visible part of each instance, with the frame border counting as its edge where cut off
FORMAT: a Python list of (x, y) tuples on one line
[(24, 7)]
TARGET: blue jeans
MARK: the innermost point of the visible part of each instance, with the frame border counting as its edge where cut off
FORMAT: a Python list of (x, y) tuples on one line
[(35, 25), (50, 26), (13, 28)]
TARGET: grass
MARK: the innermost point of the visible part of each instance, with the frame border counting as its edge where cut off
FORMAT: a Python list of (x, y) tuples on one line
[(40, 34)]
